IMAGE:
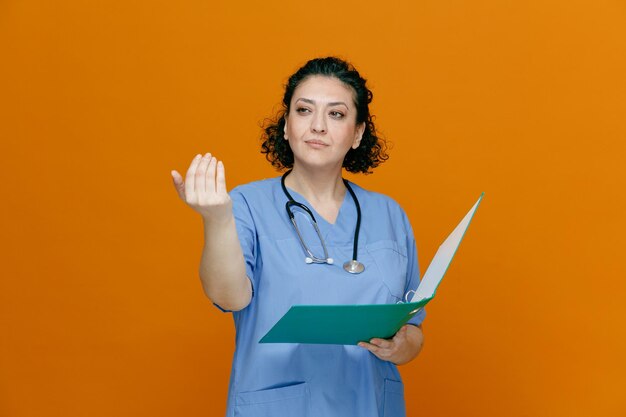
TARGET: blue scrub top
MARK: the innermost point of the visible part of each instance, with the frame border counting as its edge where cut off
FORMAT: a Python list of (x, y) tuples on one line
[(306, 379)]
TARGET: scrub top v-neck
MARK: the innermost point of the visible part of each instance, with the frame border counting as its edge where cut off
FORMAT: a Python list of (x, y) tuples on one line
[(316, 380)]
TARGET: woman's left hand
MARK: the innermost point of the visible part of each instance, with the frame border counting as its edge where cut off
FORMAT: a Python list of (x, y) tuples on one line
[(402, 348)]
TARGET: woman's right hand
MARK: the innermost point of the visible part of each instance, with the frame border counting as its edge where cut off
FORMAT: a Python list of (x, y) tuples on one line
[(204, 188)]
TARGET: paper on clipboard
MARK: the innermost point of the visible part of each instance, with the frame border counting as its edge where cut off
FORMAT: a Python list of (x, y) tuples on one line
[(442, 259)]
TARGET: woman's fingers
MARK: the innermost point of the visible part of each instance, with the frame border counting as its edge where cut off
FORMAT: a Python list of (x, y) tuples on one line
[(387, 349), (190, 178), (221, 179), (201, 179), (204, 188), (381, 343), (210, 175), (179, 184), (204, 176)]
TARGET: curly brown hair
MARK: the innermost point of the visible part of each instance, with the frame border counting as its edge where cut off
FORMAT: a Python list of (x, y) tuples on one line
[(372, 149)]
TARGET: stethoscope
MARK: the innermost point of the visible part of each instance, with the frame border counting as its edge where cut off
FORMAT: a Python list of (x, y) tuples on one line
[(353, 266)]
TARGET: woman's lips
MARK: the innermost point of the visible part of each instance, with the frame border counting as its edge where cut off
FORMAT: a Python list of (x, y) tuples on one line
[(317, 144)]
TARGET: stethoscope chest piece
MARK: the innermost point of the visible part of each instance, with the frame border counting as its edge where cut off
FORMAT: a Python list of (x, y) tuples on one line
[(354, 267)]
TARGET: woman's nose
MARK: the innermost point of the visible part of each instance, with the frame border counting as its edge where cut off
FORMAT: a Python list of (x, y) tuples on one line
[(318, 124)]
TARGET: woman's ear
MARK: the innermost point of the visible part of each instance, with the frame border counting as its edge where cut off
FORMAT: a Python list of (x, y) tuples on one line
[(285, 128), (360, 129)]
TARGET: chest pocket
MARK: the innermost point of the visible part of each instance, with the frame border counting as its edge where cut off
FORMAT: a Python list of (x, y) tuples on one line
[(391, 260)]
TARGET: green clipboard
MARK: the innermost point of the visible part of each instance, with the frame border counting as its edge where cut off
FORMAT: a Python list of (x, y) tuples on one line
[(341, 324), (351, 324)]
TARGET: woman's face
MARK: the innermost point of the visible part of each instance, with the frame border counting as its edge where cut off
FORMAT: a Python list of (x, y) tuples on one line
[(321, 124)]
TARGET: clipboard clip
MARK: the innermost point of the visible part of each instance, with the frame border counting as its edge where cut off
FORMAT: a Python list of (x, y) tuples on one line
[(406, 297)]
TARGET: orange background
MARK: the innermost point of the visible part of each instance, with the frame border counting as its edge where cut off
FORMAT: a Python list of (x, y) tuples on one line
[(101, 310)]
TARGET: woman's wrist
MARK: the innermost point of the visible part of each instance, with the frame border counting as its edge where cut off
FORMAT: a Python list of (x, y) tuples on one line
[(218, 220)]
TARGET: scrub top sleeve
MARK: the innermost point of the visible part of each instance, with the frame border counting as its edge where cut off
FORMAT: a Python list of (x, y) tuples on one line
[(246, 232), (413, 273)]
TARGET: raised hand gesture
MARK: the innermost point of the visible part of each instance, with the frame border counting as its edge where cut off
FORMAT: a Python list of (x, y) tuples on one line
[(204, 188)]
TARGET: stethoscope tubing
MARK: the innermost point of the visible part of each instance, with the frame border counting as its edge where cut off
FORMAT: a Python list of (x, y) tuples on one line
[(355, 249), (311, 256), (352, 266)]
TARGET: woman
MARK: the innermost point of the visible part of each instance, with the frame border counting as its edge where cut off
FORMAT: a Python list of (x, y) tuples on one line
[(256, 264)]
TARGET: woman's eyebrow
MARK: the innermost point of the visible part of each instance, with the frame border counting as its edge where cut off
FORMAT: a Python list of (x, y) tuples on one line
[(332, 103)]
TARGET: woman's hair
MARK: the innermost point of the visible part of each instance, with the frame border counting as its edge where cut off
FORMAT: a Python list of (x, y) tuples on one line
[(372, 149)]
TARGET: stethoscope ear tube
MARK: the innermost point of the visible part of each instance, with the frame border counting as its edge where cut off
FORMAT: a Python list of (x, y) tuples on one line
[(311, 258), (299, 205)]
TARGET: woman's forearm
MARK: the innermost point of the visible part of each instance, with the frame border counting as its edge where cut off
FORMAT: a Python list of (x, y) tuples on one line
[(222, 266)]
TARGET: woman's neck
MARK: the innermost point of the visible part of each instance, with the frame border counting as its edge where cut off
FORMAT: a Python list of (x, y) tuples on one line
[(317, 186)]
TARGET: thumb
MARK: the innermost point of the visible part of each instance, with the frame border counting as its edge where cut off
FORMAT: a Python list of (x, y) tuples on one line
[(179, 184), (401, 332)]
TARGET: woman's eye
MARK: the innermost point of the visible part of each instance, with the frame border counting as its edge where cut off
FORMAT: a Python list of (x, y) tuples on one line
[(336, 114), (302, 110)]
